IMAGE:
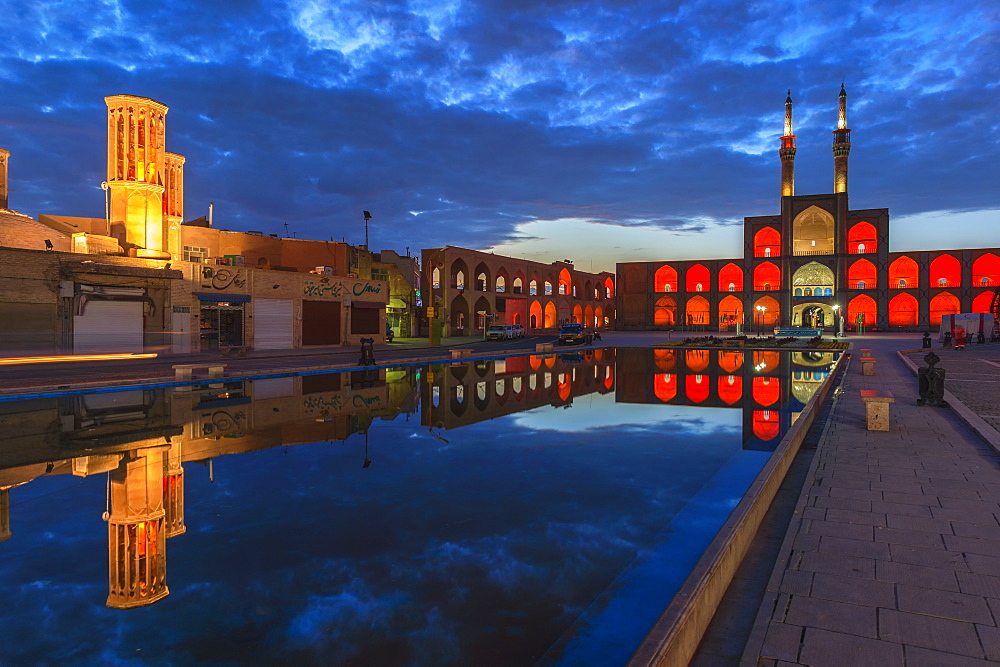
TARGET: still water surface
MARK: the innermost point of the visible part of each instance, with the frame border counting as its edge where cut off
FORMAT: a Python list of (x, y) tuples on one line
[(492, 512)]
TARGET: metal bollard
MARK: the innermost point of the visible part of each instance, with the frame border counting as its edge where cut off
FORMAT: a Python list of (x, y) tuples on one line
[(927, 341), (367, 352), (930, 382)]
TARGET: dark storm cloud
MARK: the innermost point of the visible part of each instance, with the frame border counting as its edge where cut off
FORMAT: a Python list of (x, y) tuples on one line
[(454, 122)]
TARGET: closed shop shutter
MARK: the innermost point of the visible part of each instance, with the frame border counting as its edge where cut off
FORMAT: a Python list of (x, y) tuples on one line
[(321, 323), (364, 318), (108, 327), (272, 324)]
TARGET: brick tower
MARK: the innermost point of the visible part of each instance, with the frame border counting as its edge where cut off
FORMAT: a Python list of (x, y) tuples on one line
[(136, 163), (787, 152), (4, 159)]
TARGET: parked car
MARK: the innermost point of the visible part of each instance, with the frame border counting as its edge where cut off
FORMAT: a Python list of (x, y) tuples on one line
[(500, 332), (518, 330), (572, 333)]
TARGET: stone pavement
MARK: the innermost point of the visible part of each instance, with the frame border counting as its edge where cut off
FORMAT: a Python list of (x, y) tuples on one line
[(893, 557)]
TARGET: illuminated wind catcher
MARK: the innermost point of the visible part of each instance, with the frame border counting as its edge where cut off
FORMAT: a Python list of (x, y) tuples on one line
[(136, 165), (137, 564)]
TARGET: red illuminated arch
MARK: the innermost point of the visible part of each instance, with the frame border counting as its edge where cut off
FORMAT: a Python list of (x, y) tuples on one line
[(665, 279), (861, 275), (535, 316), (903, 311), (946, 271), (770, 316), (767, 243), (730, 388), (944, 303), (765, 424), (864, 306), (730, 311), (766, 276), (982, 303), (665, 312), (578, 314), (588, 317), (730, 278), (766, 390), (609, 377), (861, 238), (697, 387), (697, 311), (665, 386), (550, 315), (986, 272), (563, 286), (904, 274), (730, 361), (609, 288), (698, 279), (665, 360), (766, 361), (696, 360), (564, 388)]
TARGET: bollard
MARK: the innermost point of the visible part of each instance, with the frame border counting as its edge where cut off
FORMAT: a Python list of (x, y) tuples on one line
[(367, 352), (947, 339), (930, 382), (927, 341)]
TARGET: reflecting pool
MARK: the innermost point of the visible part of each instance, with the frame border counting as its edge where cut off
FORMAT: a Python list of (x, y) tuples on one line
[(488, 512)]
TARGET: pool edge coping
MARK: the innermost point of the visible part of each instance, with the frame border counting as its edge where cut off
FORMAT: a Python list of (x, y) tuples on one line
[(676, 635)]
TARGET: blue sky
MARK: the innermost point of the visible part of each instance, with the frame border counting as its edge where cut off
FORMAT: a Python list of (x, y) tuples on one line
[(546, 129)]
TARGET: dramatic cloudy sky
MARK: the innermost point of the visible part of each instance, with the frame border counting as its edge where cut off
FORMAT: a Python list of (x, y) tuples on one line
[(548, 129)]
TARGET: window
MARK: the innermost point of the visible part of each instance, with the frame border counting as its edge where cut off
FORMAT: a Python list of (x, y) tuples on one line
[(767, 252), (533, 288), (698, 288), (562, 288), (380, 274), (548, 288), (942, 282), (574, 291), (732, 287), (861, 284), (861, 248), (195, 254), (902, 283)]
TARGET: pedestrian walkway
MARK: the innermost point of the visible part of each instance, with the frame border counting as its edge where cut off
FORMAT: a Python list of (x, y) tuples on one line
[(894, 555)]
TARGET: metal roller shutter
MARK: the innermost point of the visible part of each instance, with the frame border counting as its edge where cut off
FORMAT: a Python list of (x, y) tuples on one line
[(272, 324), (108, 327)]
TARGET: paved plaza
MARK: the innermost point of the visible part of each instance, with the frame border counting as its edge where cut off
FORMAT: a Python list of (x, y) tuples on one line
[(893, 553), (893, 557)]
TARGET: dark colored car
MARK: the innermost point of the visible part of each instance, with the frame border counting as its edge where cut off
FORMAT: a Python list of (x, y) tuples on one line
[(572, 334)]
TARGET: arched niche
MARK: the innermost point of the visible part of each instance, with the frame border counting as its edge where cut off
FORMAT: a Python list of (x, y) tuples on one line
[(812, 232)]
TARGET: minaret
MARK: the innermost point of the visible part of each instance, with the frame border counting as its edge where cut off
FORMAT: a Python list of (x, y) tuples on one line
[(173, 202), (787, 152), (841, 145), (137, 560), (136, 161), (4, 159)]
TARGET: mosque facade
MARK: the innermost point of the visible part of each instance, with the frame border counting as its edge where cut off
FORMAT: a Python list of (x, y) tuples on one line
[(814, 263)]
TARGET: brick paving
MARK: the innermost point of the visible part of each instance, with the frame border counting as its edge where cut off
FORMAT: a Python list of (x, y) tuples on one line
[(893, 557)]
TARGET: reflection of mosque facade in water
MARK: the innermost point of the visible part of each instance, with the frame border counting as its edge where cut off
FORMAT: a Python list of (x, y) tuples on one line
[(142, 438), (770, 387)]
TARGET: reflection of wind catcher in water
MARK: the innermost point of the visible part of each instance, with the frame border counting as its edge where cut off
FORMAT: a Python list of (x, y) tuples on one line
[(136, 537)]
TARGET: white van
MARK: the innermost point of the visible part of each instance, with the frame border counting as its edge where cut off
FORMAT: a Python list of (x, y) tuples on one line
[(500, 332)]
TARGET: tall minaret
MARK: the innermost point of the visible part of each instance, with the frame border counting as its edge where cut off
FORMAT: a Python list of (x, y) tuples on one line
[(136, 161), (841, 145), (4, 158), (787, 152)]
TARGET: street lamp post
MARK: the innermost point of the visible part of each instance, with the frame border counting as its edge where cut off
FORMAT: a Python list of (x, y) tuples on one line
[(760, 319), (840, 320)]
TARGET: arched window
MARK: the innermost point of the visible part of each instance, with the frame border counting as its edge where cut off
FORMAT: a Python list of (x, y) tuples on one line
[(861, 238), (731, 276), (861, 248), (548, 288), (696, 275), (861, 275), (698, 288), (533, 288), (765, 275), (732, 287), (767, 252)]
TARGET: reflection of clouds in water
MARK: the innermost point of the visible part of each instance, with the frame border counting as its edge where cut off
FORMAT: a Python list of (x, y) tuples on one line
[(596, 411)]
